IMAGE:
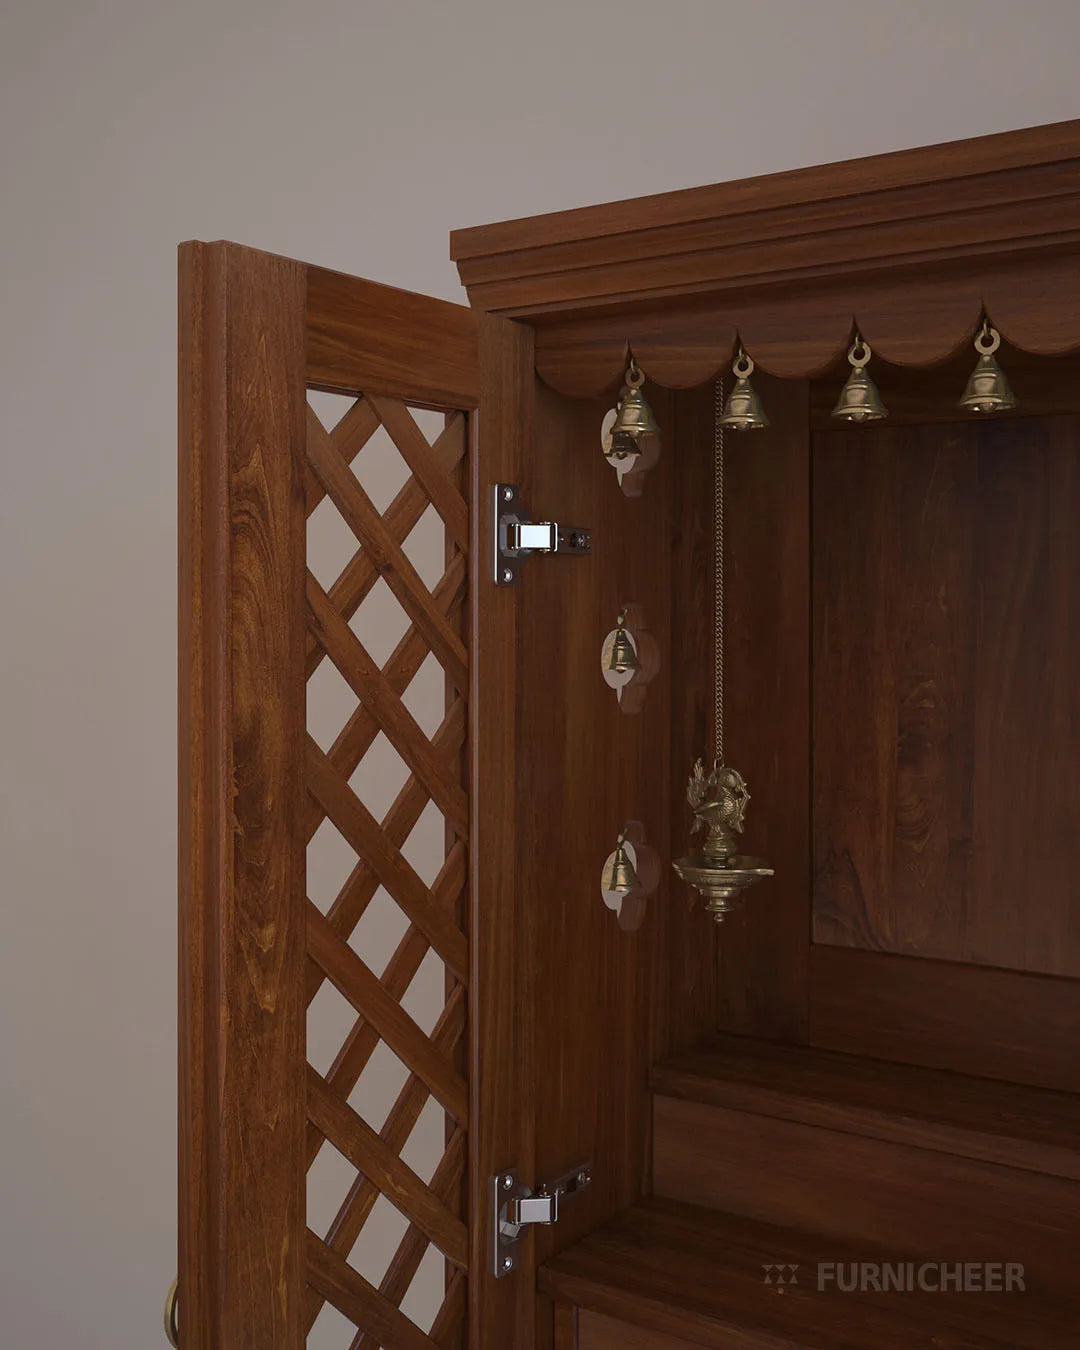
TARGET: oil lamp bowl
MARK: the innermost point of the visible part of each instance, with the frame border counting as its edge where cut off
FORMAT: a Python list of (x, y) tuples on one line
[(721, 883)]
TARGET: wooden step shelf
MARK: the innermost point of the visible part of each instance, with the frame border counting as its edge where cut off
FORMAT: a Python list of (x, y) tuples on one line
[(948, 1167), (1006, 1123), (670, 1276)]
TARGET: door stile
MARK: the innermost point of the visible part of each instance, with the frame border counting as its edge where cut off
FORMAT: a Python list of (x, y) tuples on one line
[(241, 794), (501, 1042)]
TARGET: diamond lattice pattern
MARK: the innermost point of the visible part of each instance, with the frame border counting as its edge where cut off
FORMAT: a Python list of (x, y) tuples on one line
[(387, 1103)]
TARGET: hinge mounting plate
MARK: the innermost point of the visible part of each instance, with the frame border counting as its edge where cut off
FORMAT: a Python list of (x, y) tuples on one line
[(514, 1207), (516, 536)]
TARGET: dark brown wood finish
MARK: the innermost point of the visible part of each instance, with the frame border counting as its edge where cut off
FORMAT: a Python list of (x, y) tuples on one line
[(503, 976), (995, 1023), (679, 1271), (582, 769), (860, 1189), (911, 245), (693, 948), (254, 463), (241, 1168), (1027, 1128), (598, 1332), (946, 615), (366, 336), (566, 1326)]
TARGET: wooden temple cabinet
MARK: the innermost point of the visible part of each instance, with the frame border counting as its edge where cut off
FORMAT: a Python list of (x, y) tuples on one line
[(869, 1072)]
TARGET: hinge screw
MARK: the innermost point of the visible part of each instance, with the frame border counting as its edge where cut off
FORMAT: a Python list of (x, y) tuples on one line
[(507, 1183), (508, 494), (507, 574), (508, 1263)]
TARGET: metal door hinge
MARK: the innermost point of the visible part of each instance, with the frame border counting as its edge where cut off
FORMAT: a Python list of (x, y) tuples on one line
[(514, 1207), (516, 537)]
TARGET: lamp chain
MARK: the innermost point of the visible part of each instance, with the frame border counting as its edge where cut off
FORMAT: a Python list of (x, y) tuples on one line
[(718, 574)]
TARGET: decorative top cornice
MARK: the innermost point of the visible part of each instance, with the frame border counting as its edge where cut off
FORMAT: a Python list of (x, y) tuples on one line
[(1016, 194), (912, 248)]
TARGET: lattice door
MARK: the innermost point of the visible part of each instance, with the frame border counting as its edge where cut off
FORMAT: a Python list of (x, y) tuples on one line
[(386, 889), (352, 995)]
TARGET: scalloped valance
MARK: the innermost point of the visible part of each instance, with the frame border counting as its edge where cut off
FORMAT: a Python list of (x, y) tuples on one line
[(911, 247)]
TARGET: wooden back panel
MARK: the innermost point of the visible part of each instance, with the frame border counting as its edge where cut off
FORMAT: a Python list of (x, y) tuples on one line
[(934, 919)]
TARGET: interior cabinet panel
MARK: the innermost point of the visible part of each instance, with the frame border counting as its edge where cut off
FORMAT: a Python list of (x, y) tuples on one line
[(597, 1332), (946, 565), (582, 768)]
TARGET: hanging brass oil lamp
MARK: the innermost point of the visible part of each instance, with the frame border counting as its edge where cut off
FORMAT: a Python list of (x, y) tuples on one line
[(987, 388), (719, 798)]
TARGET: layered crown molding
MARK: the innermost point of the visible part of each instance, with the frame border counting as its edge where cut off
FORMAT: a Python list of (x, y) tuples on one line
[(911, 247)]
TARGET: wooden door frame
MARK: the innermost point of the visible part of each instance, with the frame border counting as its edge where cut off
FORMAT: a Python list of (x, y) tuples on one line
[(256, 331)]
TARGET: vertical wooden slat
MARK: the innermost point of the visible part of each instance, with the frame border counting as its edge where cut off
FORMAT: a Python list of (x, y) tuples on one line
[(502, 1111), (241, 1171)]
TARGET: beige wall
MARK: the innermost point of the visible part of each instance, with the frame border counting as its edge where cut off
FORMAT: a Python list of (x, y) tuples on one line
[(352, 134)]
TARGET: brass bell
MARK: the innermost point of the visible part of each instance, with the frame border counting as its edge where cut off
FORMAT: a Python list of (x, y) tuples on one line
[(987, 388), (623, 876), (859, 399), (621, 656), (743, 409), (635, 427)]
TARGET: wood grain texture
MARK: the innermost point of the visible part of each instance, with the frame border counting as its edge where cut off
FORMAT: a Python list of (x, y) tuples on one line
[(356, 1207), (400, 517), (1026, 1128), (387, 555), (371, 1155), (365, 337), (598, 1332), (500, 1038), (373, 1001), (565, 1326), (352, 1295), (678, 1271), (945, 618), (423, 461), (994, 220), (384, 704), (1025, 786), (977, 1020), (1027, 154), (411, 1250), (600, 994), (791, 261), (359, 827), (937, 1206), (693, 943), (241, 1127)]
